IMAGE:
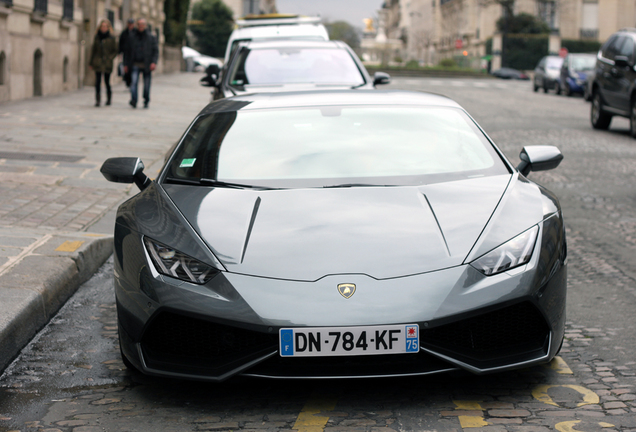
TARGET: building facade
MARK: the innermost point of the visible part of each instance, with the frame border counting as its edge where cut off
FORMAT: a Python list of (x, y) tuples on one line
[(437, 29), (40, 51), (242, 8)]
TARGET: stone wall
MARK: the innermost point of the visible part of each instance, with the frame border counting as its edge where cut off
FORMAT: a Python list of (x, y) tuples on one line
[(40, 52)]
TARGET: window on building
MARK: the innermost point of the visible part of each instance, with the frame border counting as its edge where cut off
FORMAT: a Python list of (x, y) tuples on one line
[(67, 10), (547, 12), (3, 65), (589, 20), (37, 73), (41, 6), (65, 70), (251, 7)]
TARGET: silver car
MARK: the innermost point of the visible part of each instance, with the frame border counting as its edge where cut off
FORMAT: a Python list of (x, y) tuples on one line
[(338, 234)]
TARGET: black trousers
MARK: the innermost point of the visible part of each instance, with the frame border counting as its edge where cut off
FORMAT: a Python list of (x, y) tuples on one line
[(98, 84)]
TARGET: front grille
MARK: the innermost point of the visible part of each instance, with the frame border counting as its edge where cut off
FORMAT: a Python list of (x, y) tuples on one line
[(510, 331), (350, 366), (177, 340)]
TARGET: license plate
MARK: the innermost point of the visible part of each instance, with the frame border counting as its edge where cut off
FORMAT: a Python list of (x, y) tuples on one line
[(349, 341)]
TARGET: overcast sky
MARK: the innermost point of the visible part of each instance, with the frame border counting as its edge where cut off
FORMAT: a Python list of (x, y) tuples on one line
[(352, 11)]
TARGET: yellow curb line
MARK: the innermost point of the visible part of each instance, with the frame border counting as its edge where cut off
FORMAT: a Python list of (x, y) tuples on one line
[(309, 419), (470, 421), (541, 393), (69, 246)]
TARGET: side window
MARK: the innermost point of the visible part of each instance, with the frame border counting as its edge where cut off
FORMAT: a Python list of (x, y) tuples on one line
[(627, 49), (614, 48)]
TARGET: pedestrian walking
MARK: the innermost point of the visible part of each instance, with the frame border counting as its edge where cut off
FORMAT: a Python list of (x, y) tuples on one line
[(143, 53), (103, 53), (124, 39)]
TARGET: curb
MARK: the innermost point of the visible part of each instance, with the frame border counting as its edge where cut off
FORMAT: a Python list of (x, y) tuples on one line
[(36, 286)]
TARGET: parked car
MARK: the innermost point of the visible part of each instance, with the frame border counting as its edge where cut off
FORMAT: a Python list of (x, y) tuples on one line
[(575, 71), (587, 93), (509, 73), (546, 74), (338, 234), (197, 62), (613, 91), (285, 65), (275, 27)]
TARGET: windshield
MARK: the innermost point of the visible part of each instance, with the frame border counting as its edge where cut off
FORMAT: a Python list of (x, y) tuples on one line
[(554, 62), (581, 64), (295, 66), (314, 147)]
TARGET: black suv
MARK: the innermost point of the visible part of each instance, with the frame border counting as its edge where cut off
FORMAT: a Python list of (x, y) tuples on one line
[(613, 90)]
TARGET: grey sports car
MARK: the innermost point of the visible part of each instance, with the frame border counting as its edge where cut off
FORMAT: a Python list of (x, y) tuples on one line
[(338, 234)]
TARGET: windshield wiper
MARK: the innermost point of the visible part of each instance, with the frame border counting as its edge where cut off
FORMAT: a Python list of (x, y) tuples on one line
[(213, 182), (219, 183)]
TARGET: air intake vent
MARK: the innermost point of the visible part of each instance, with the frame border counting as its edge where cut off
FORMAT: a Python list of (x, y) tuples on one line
[(510, 331)]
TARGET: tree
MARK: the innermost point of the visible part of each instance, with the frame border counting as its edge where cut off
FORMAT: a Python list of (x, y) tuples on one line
[(211, 25), (342, 30), (524, 23), (174, 27)]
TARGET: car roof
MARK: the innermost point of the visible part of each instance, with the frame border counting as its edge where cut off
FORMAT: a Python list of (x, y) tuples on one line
[(293, 43), (273, 31), (256, 101)]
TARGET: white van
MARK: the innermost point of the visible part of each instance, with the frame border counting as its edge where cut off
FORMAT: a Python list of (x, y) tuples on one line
[(275, 26)]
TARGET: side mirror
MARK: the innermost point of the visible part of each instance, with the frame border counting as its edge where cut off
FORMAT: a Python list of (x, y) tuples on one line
[(213, 69), (212, 73), (539, 158), (621, 61), (208, 81), (125, 170), (381, 78)]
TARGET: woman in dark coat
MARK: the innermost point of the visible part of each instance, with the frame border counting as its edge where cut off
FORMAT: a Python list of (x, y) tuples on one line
[(102, 55)]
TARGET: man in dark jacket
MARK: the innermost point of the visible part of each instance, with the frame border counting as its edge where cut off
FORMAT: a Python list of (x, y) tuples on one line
[(123, 44), (143, 53)]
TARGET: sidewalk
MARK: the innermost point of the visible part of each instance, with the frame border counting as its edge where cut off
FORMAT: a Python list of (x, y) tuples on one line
[(57, 212)]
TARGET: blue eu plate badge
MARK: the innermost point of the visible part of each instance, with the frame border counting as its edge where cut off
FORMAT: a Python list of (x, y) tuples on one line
[(287, 342)]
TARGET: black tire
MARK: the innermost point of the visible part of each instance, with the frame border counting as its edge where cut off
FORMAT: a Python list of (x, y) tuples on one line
[(600, 118)]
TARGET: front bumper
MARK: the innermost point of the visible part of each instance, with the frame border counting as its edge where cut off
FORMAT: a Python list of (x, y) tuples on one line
[(230, 326)]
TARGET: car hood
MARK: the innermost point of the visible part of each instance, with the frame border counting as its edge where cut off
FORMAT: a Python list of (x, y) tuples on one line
[(307, 234)]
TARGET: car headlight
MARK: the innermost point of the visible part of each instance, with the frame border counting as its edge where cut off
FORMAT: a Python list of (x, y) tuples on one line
[(171, 262), (509, 255)]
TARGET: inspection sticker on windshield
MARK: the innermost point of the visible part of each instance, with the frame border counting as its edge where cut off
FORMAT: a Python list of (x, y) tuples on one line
[(187, 163), (348, 341)]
